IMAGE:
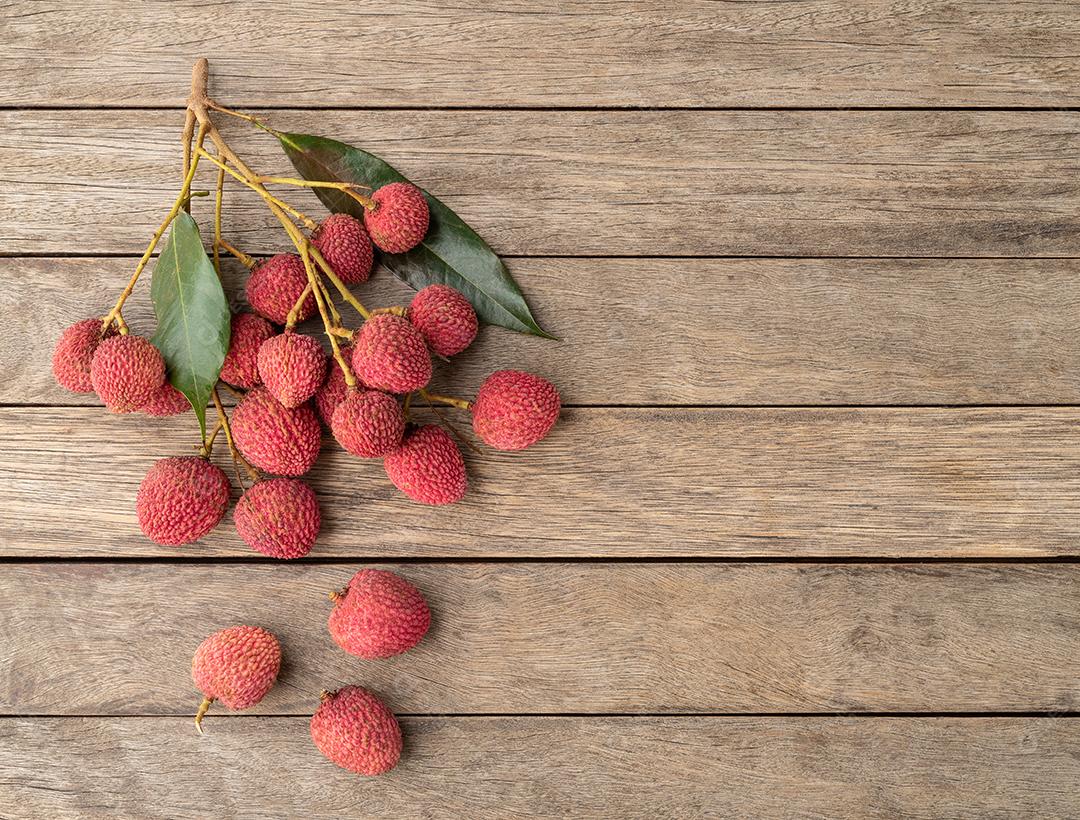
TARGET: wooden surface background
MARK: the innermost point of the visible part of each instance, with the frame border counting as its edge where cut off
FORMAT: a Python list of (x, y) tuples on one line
[(805, 540)]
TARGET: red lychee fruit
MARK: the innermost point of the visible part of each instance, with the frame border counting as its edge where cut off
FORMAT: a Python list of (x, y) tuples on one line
[(292, 366), (389, 354), (237, 666), (428, 467), (399, 219), (333, 388), (514, 409), (346, 247), (274, 285), (277, 439), (181, 499), (166, 401), (126, 371), (368, 423), (73, 353), (356, 731), (378, 615), (279, 517), (241, 365), (445, 318)]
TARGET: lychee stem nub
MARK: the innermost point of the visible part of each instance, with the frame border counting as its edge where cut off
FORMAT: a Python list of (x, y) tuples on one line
[(199, 715)]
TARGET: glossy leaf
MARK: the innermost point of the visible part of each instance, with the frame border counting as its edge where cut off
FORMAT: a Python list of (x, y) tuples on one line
[(193, 315), (451, 254)]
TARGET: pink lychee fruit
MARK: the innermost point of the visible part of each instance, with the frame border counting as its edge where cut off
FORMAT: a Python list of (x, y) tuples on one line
[(514, 409), (277, 439), (126, 371), (356, 731), (368, 423), (236, 666), (274, 286), (428, 467), (241, 365), (346, 247), (279, 517), (399, 219), (390, 354), (292, 366), (445, 318), (73, 353), (181, 499), (378, 615), (166, 401)]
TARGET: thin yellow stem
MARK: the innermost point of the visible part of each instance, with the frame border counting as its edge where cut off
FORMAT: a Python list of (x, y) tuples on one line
[(330, 304), (115, 313), (300, 216), (345, 187), (346, 294), (208, 446), (407, 405), (247, 261), (239, 115), (396, 310), (294, 313), (460, 404), (313, 280), (344, 333), (238, 459), (217, 220)]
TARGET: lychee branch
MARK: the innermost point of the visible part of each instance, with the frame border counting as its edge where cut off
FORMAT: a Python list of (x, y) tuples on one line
[(245, 260), (348, 188), (220, 194), (238, 460), (301, 217), (435, 398)]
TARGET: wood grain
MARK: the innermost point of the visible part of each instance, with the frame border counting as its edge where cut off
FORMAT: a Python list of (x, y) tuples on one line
[(608, 482), (563, 638), (612, 183), (501, 767), (637, 53), (693, 331)]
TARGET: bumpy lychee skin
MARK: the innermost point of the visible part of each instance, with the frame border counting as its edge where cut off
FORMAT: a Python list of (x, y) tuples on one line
[(445, 318), (400, 217), (166, 401), (368, 423), (428, 467), (346, 247), (292, 366), (279, 517), (356, 731), (241, 365), (275, 284), (514, 409), (181, 499), (73, 353), (390, 354), (237, 666), (333, 389), (378, 615), (126, 371), (277, 439)]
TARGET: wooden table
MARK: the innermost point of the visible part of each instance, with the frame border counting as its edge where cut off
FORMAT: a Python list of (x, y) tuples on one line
[(805, 540)]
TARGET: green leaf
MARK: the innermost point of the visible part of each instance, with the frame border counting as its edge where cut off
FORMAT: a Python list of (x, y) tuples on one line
[(193, 315), (451, 254)]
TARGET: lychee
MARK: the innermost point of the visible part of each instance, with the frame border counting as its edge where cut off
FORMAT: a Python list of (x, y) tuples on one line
[(277, 439), (237, 666), (378, 615), (356, 731), (428, 467), (73, 353), (514, 409), (292, 366), (181, 499), (241, 367), (126, 371), (166, 401), (399, 219), (445, 318), (368, 423), (279, 517), (333, 387), (274, 285), (346, 247), (390, 354)]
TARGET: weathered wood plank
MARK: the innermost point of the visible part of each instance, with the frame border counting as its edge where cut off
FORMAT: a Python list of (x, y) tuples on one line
[(638, 53), (559, 638), (805, 183), (614, 482), (552, 767), (693, 331)]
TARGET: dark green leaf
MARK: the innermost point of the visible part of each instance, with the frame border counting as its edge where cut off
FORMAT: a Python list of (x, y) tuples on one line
[(451, 254), (193, 315)]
